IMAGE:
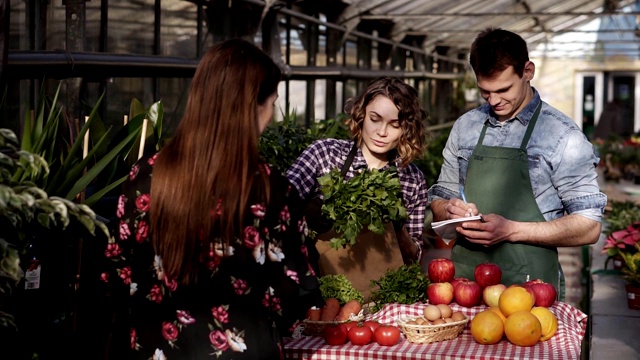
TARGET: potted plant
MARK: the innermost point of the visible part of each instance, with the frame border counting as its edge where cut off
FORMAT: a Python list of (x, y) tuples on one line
[(621, 231), (52, 184), (631, 273), (109, 153), (39, 236)]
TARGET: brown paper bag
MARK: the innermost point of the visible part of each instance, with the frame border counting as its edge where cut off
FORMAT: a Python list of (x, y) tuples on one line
[(368, 259)]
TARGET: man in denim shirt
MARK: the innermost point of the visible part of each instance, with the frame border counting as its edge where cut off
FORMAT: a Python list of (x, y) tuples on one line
[(525, 166)]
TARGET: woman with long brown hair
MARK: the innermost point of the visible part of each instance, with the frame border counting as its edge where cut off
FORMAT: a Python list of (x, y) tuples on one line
[(211, 245)]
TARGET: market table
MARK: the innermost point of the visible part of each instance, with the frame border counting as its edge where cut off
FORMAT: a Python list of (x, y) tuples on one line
[(565, 344)]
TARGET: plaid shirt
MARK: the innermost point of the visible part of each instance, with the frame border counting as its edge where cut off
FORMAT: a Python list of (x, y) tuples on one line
[(324, 155)]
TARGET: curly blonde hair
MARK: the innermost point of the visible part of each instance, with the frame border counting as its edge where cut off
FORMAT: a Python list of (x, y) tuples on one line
[(411, 116)]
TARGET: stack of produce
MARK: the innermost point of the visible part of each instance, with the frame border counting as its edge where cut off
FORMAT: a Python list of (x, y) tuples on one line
[(519, 312)]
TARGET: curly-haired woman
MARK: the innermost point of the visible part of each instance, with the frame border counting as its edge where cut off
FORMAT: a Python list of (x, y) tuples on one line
[(387, 128)]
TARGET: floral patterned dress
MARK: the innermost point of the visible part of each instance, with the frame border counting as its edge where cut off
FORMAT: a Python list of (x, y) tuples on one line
[(251, 295)]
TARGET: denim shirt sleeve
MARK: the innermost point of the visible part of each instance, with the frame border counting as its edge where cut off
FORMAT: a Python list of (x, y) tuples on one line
[(450, 173), (575, 177)]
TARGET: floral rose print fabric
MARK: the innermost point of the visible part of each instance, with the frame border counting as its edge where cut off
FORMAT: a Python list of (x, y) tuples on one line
[(248, 295)]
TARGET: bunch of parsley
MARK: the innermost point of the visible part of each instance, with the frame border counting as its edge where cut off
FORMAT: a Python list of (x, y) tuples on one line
[(370, 199), (339, 287), (405, 285)]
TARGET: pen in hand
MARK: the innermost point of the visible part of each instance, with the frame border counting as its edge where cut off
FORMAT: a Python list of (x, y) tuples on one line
[(464, 198), (461, 189)]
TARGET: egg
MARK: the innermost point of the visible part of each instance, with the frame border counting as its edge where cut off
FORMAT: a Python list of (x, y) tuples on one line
[(457, 316), (445, 310), (420, 321), (438, 322), (432, 312), (448, 320)]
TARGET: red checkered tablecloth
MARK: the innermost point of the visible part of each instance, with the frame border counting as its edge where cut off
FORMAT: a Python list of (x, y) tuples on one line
[(565, 344)]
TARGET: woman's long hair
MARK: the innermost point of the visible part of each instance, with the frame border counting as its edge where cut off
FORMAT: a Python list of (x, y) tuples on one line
[(203, 177)]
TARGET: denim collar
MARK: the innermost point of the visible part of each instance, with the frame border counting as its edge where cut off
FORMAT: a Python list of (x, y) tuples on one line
[(524, 116)]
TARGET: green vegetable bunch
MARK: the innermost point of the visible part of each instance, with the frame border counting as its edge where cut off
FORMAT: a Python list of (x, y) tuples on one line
[(406, 285), (370, 199), (340, 288)]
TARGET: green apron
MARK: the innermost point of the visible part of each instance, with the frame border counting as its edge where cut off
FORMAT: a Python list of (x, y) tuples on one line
[(498, 182)]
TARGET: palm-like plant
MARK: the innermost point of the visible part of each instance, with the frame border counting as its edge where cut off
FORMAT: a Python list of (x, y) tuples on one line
[(50, 135)]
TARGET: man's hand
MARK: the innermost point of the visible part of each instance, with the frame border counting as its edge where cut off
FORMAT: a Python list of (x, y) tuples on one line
[(569, 230), (452, 209), (493, 230)]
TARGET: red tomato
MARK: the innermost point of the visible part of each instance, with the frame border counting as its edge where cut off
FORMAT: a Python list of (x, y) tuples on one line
[(335, 334), (360, 335), (373, 325), (350, 324), (387, 335)]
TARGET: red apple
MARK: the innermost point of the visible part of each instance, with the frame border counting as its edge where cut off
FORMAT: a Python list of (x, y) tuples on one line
[(441, 270), (455, 281), (545, 293), (487, 274), (467, 293), (491, 294), (440, 293)]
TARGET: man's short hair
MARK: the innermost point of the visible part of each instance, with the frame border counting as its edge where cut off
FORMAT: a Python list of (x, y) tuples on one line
[(495, 49)]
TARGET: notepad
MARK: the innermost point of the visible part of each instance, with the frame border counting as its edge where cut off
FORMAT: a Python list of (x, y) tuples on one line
[(447, 229)]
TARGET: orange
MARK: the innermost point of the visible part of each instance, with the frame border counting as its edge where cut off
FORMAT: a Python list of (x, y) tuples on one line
[(515, 298), (548, 321), (497, 311), (487, 327), (522, 328)]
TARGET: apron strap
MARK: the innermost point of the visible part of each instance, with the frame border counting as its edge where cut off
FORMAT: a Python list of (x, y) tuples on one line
[(349, 161), (527, 134)]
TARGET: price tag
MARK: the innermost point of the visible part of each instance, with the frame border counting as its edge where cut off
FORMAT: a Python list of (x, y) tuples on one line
[(32, 276)]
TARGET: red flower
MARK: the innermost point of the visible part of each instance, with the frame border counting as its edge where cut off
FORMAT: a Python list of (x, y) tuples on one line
[(266, 169), (239, 286), (134, 172), (218, 340), (155, 294), (104, 277), (142, 202), (113, 250), (152, 160), (284, 214), (133, 336), (121, 201), (169, 331), (143, 231), (171, 284), (184, 317), (251, 237), (124, 230), (125, 275), (258, 210), (220, 314)]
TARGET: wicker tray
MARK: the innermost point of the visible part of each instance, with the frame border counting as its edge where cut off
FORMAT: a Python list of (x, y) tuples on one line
[(315, 328), (425, 334)]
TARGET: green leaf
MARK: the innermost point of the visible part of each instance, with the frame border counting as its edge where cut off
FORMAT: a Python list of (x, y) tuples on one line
[(83, 182), (99, 194)]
